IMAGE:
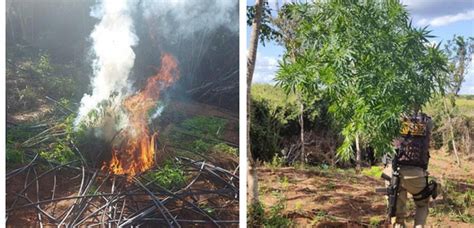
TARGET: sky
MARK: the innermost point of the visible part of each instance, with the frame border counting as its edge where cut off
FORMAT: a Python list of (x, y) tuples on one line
[(444, 18)]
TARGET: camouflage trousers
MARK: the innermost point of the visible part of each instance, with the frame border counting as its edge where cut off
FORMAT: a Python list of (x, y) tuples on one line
[(412, 180)]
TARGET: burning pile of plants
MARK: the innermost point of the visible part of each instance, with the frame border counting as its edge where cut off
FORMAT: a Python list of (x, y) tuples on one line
[(107, 169), (128, 153)]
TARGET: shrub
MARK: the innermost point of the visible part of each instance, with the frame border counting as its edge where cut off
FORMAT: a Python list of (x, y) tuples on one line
[(274, 117)]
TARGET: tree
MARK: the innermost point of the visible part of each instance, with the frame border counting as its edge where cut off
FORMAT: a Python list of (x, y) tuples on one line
[(459, 51), (371, 63), (286, 22), (252, 180)]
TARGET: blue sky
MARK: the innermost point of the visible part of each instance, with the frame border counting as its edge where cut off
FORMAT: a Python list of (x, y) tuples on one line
[(444, 18)]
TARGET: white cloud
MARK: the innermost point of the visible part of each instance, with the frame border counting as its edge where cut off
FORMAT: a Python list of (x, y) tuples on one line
[(468, 85), (265, 69), (447, 19), (437, 8)]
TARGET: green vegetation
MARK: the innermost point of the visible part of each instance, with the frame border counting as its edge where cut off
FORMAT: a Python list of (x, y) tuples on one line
[(169, 176), (374, 171), (367, 59), (204, 125), (201, 134), (375, 221), (274, 117), (271, 111), (466, 106), (31, 75), (276, 98), (224, 148), (255, 215), (320, 217), (14, 155), (273, 217), (456, 203), (201, 146), (59, 152), (276, 162)]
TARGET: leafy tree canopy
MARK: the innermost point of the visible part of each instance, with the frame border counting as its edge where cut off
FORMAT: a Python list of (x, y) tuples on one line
[(368, 59)]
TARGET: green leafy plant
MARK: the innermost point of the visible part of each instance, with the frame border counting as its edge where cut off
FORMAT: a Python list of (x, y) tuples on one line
[(368, 60), (168, 176), (275, 214), (374, 171), (255, 215), (276, 162), (224, 148), (43, 66), (200, 146), (321, 216), (375, 221), (205, 125), (59, 151)]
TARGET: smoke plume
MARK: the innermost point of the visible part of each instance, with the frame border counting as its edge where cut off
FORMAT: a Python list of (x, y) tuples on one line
[(112, 38), (184, 18)]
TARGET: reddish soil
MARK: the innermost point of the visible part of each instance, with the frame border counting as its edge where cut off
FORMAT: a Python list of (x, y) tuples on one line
[(341, 198)]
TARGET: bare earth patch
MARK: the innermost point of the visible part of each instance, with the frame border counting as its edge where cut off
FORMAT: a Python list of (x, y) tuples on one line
[(318, 197)]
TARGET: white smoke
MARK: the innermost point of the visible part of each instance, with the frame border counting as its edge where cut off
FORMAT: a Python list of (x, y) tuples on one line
[(192, 16), (113, 38)]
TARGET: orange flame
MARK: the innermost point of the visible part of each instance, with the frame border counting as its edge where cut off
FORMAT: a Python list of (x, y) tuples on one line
[(136, 152)]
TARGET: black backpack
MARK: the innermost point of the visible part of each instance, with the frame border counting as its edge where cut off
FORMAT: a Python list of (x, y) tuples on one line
[(412, 146)]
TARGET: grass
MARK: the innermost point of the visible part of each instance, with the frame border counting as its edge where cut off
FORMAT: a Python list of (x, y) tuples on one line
[(276, 162), (56, 149), (275, 217), (320, 217), (457, 203), (466, 106), (14, 155), (259, 216), (205, 125), (375, 221), (374, 171), (201, 134), (464, 103), (274, 95)]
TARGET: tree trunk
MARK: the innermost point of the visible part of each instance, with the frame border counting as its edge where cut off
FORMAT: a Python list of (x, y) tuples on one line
[(252, 180), (453, 141), (358, 154), (303, 155)]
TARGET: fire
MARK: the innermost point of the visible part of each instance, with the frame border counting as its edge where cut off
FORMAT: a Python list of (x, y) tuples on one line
[(136, 151)]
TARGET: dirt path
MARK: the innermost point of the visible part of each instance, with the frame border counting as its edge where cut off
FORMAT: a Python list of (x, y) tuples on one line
[(331, 197)]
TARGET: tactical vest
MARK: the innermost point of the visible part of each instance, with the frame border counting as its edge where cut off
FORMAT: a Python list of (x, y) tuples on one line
[(412, 146)]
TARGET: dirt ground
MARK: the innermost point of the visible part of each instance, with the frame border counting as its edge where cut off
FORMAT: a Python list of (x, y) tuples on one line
[(331, 197)]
